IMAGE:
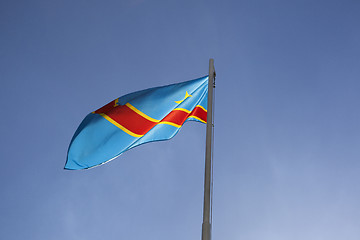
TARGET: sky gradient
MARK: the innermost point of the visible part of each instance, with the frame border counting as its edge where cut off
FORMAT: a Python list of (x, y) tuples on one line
[(287, 134)]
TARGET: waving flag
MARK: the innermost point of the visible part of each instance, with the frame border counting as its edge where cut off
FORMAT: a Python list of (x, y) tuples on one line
[(145, 116)]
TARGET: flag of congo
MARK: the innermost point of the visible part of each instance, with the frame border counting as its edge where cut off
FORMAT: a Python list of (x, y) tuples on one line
[(145, 116)]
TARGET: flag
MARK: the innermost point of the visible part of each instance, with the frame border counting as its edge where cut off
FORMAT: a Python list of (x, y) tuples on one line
[(145, 116)]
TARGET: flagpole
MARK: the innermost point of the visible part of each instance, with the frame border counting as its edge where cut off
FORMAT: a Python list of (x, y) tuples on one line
[(206, 225)]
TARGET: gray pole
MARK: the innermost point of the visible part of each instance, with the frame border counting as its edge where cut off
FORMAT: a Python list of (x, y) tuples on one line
[(206, 225)]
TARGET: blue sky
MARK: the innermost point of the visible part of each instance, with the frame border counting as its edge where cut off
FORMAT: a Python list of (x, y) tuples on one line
[(287, 135)]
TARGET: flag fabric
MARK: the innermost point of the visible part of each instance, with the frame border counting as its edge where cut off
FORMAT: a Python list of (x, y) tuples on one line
[(145, 116)]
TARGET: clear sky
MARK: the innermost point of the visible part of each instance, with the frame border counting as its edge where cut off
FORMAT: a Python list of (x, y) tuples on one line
[(287, 133)]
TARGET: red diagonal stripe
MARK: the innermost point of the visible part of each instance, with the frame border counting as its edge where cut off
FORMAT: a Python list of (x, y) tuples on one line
[(176, 116), (200, 113), (127, 118), (139, 125)]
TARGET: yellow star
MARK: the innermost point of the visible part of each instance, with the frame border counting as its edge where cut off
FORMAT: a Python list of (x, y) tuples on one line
[(186, 96)]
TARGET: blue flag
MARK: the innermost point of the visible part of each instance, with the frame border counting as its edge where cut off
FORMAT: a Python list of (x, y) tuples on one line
[(145, 116)]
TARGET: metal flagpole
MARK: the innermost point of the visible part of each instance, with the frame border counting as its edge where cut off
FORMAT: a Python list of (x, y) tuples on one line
[(206, 225)]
